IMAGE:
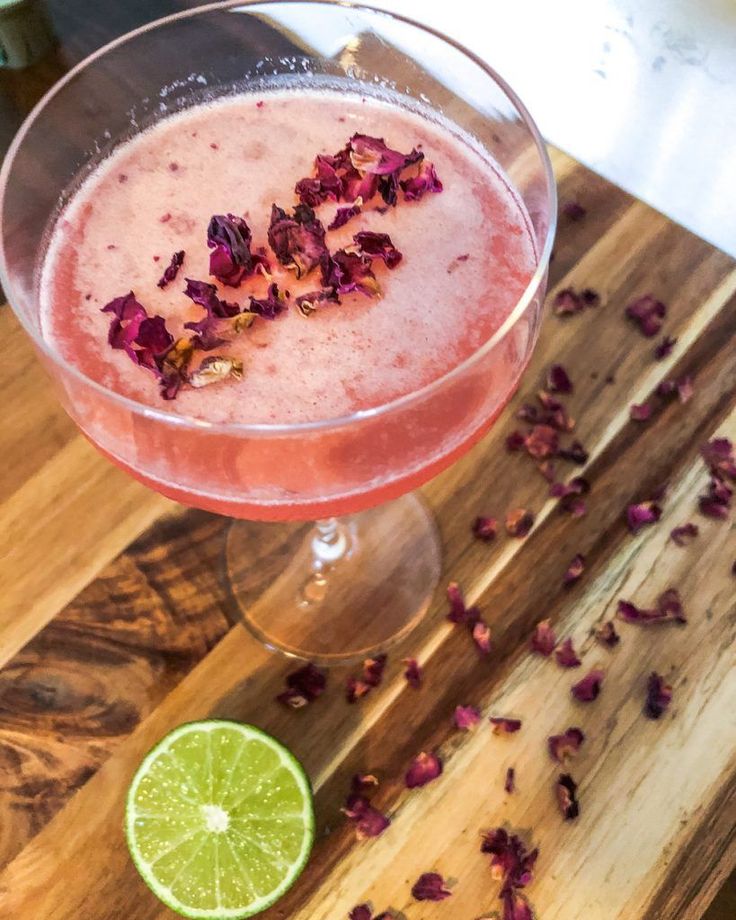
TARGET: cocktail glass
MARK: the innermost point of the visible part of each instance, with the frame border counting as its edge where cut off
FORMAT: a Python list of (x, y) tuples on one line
[(362, 577)]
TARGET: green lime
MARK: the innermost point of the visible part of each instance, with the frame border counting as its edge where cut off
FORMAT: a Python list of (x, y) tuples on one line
[(219, 820)]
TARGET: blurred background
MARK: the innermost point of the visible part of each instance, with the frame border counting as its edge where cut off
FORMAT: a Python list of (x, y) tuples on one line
[(641, 91)]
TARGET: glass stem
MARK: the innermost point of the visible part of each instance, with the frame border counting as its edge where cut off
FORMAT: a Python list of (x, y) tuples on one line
[(330, 541)]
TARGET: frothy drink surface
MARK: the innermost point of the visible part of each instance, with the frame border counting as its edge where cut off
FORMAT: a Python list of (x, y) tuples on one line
[(156, 194)]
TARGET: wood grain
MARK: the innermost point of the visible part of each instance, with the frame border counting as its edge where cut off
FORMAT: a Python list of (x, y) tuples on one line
[(128, 634)]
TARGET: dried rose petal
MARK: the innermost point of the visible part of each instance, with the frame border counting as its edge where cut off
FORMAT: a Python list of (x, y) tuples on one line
[(307, 303), (511, 862), (566, 656), (555, 413), (576, 453), (378, 246), (504, 726), (685, 389), (574, 570), (343, 215), (413, 673), (515, 907), (607, 635), (666, 389), (515, 441), (544, 640), (346, 272), (519, 522), (569, 495), (303, 686), (299, 241), (361, 912), (172, 269), (558, 380), (717, 502), (561, 747), (371, 155), (642, 514), (369, 821), (372, 675), (567, 303), (466, 717), (587, 689), (206, 329), (547, 469), (175, 367), (669, 609), (362, 782), (229, 238), (430, 886), (271, 305), (566, 788), (590, 297), (664, 348), (719, 458), (541, 442), (128, 314), (648, 313), (510, 782), (684, 534), (574, 210), (422, 770), (659, 696), (459, 613), (145, 339), (485, 528), (425, 181), (482, 636), (214, 369), (640, 413)]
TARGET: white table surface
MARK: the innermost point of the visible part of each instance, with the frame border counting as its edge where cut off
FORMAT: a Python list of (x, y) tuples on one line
[(642, 91)]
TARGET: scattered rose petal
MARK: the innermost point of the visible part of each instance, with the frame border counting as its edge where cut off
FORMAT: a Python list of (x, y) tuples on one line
[(542, 441), (308, 303), (547, 469), (459, 613), (648, 313), (466, 717), (229, 238), (685, 389), (574, 210), (555, 414), (422, 770), (303, 686), (566, 789), (271, 305), (343, 215), (430, 886), (362, 782), (482, 636), (298, 241), (606, 634), (669, 609), (566, 656), (590, 297), (172, 269), (485, 528), (215, 368), (659, 696), (666, 389), (570, 495), (515, 441), (511, 862), (558, 380), (363, 912), (716, 503), (372, 155), (369, 821), (574, 570), (413, 673), (719, 458), (640, 413), (684, 534), (519, 522), (515, 906), (425, 181), (510, 782), (378, 246), (562, 747), (504, 726), (576, 453), (372, 675), (544, 640), (587, 689), (642, 514), (664, 348), (567, 303)]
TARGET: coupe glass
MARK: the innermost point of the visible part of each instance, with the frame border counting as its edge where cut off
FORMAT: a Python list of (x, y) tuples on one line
[(362, 576)]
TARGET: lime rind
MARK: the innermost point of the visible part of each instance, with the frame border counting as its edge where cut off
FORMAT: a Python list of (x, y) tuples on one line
[(303, 820)]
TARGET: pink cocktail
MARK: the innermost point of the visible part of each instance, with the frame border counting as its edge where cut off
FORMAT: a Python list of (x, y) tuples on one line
[(337, 411)]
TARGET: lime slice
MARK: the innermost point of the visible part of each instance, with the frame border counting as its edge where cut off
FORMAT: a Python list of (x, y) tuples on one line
[(219, 820)]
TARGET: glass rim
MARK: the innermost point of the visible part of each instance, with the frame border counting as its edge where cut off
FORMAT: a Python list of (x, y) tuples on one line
[(262, 428)]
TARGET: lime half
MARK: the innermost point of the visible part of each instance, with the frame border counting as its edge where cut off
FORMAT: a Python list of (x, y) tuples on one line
[(219, 820)]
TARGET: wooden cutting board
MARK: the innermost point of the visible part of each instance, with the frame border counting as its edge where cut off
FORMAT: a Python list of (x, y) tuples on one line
[(115, 626)]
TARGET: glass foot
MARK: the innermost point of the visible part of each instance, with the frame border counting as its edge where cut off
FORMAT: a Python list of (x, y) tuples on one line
[(339, 590)]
